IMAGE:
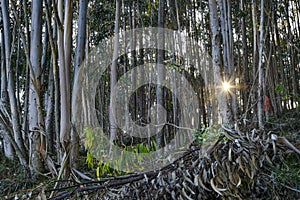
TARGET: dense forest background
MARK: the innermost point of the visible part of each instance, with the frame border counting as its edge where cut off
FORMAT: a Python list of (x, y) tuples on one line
[(46, 46)]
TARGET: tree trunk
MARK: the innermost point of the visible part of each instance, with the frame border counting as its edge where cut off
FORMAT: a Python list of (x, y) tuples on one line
[(260, 70), (53, 36), (8, 148), (228, 62), (113, 77), (215, 35), (36, 124), (25, 125), (245, 58), (64, 50), (160, 73), (22, 154), (254, 58), (77, 125)]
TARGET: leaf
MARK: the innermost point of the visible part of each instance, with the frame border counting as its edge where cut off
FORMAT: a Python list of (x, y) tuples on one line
[(82, 175), (274, 147), (247, 172), (214, 187), (204, 175), (239, 181), (89, 160), (268, 159), (219, 180), (185, 195), (98, 172), (239, 161), (187, 187), (173, 195), (196, 182), (230, 154), (188, 180), (253, 161), (146, 178), (202, 185), (230, 173)]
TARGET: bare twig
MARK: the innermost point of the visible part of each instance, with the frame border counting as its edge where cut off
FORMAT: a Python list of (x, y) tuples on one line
[(288, 187)]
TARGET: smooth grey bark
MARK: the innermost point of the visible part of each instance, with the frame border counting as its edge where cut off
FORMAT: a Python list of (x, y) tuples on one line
[(215, 41), (113, 77), (68, 31), (22, 154), (49, 125), (49, 93), (245, 56), (125, 67), (77, 122), (25, 125), (64, 52), (36, 122), (9, 134), (260, 70), (254, 56), (160, 72), (227, 54), (52, 32), (8, 148)]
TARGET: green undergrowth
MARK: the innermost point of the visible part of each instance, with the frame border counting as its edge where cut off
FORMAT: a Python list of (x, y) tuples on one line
[(122, 165), (288, 172)]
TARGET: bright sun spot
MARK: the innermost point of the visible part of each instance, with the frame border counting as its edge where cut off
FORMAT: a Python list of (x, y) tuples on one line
[(226, 86)]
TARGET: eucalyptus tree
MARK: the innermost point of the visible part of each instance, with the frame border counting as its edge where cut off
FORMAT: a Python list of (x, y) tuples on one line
[(160, 92), (113, 77), (13, 125), (215, 42), (77, 122), (7, 146), (260, 70), (36, 121)]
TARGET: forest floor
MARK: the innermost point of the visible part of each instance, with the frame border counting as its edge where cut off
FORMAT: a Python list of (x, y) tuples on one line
[(280, 179)]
